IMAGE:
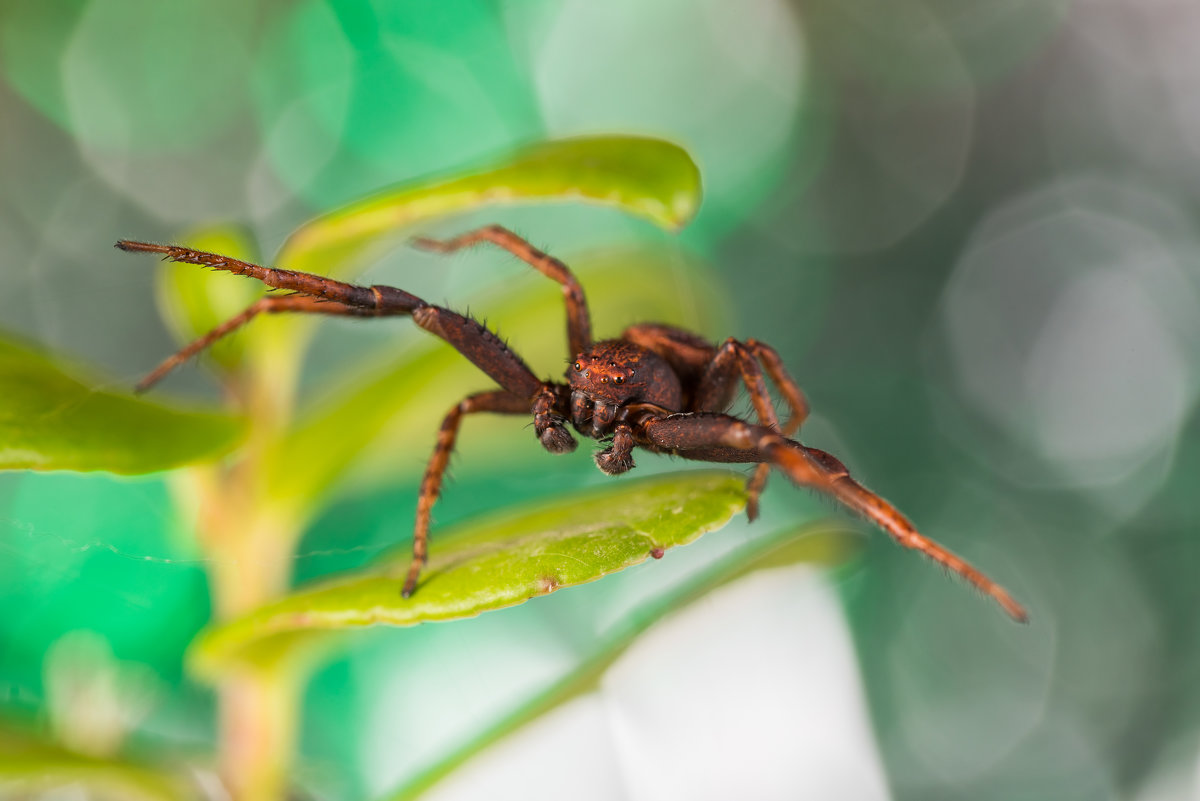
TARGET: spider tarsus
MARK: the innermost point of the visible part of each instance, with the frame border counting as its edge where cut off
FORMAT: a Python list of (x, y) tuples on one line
[(613, 463), (132, 246), (427, 243), (557, 439), (752, 509), (410, 583), (1011, 607)]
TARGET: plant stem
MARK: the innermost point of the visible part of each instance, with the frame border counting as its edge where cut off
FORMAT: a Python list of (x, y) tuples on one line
[(250, 548), (258, 724)]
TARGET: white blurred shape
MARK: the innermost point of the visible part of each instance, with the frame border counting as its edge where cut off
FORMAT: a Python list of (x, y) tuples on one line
[(1173, 779), (94, 700), (567, 754), (722, 79), (429, 699), (1108, 382), (1069, 319), (753, 692)]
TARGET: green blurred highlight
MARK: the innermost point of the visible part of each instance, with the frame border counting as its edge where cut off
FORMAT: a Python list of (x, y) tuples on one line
[(401, 88), (114, 542)]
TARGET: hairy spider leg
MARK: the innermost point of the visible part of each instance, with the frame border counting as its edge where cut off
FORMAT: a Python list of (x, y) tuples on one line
[(733, 360), (691, 356), (787, 386), (497, 401), (468, 336), (708, 436), (709, 374), (267, 305), (797, 403), (579, 325)]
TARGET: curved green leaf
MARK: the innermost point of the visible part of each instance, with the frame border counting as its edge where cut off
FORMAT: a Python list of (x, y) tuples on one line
[(824, 543), (30, 767), (52, 420), (648, 177), (490, 563), (391, 402)]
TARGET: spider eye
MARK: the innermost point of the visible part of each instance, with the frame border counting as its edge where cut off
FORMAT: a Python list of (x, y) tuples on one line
[(578, 367), (620, 379)]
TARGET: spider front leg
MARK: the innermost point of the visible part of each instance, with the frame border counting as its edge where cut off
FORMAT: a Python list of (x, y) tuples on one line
[(272, 304), (617, 458), (549, 419), (499, 402), (721, 438), (579, 325), (468, 336)]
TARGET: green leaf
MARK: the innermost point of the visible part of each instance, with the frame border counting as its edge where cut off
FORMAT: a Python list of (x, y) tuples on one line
[(497, 561), (648, 177), (52, 420), (391, 402), (29, 767), (824, 543), (195, 301)]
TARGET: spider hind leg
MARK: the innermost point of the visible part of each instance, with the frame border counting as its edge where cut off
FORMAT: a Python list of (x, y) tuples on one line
[(717, 437)]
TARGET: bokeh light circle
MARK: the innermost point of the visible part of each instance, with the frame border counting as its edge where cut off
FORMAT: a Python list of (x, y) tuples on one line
[(1068, 321)]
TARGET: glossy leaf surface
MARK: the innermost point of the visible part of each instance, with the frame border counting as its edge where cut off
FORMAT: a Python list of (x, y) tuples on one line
[(52, 419), (493, 562), (652, 178)]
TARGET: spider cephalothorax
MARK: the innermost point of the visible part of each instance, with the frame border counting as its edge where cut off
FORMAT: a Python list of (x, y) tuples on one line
[(613, 374), (656, 387)]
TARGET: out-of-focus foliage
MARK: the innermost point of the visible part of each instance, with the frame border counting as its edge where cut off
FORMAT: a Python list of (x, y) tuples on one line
[(30, 768), (648, 177), (52, 420)]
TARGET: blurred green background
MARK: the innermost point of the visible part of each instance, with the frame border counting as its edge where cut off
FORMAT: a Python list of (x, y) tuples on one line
[(970, 229)]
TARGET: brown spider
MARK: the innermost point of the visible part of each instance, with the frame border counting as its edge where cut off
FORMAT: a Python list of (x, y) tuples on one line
[(656, 387)]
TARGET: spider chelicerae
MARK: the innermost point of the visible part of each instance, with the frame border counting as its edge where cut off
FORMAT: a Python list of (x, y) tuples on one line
[(655, 387)]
